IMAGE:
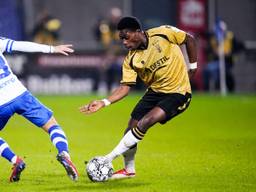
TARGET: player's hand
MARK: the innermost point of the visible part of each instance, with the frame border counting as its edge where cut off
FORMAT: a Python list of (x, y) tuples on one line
[(92, 107), (63, 49), (191, 73)]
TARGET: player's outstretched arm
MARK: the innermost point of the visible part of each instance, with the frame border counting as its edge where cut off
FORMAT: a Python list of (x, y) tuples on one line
[(63, 49), (26, 46), (96, 105), (92, 107)]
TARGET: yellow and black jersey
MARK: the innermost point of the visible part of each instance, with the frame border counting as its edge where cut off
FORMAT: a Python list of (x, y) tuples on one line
[(161, 65)]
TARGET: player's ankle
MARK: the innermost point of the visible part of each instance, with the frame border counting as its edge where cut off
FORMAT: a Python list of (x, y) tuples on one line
[(66, 154), (110, 157), (14, 159), (130, 169)]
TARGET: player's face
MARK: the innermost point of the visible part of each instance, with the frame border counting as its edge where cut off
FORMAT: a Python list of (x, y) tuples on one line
[(130, 39)]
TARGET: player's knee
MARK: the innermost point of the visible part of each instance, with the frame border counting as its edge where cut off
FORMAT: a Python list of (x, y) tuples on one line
[(145, 123), (131, 124), (51, 122)]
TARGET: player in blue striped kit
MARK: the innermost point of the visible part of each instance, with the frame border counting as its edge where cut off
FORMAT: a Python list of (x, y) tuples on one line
[(15, 98)]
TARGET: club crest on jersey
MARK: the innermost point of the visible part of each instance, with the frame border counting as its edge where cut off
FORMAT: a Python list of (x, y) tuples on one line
[(157, 46)]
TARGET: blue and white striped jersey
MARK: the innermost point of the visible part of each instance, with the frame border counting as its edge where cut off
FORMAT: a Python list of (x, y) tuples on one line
[(10, 86)]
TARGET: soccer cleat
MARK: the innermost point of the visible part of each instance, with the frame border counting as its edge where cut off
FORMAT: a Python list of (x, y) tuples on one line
[(18, 167), (70, 168), (122, 174)]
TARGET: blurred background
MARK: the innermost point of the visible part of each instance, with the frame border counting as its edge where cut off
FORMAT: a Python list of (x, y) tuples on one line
[(225, 32)]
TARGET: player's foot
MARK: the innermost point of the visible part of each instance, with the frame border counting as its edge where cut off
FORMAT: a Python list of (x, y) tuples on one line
[(18, 167), (70, 168), (122, 174)]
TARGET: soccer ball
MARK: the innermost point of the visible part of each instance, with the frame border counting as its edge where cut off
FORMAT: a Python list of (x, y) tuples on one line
[(99, 169)]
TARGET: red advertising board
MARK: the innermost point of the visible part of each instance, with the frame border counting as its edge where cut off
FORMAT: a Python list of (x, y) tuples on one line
[(192, 15)]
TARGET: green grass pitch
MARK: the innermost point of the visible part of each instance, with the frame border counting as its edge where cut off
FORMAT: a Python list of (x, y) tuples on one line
[(210, 147)]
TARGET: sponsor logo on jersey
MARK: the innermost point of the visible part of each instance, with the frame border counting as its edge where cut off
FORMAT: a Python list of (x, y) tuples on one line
[(156, 65), (8, 82)]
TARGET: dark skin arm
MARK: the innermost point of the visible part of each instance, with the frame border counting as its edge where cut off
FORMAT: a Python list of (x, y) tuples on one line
[(191, 51), (118, 94)]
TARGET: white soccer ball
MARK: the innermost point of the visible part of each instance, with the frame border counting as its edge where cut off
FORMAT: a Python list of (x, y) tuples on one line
[(99, 169)]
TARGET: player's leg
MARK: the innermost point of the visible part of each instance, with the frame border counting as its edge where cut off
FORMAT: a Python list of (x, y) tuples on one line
[(136, 134), (5, 151), (155, 115), (18, 164), (137, 131), (129, 155), (146, 103), (127, 145), (57, 135), (59, 140), (169, 106), (41, 116)]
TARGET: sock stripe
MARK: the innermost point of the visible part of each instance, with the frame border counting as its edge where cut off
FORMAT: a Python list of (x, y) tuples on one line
[(137, 134), (132, 131), (59, 139), (3, 147), (5, 150), (2, 141), (54, 127), (56, 135), (59, 131), (139, 131)]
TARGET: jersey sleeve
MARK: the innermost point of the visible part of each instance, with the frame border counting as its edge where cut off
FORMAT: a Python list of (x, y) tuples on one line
[(9, 45), (129, 75), (26, 46), (174, 34), (6, 44)]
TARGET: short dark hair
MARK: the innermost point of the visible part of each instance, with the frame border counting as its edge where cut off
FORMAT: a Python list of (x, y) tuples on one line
[(131, 23)]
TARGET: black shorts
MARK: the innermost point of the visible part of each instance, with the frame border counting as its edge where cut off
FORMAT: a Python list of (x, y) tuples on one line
[(172, 103)]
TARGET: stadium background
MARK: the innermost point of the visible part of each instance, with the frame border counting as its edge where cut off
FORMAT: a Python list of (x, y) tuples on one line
[(81, 71)]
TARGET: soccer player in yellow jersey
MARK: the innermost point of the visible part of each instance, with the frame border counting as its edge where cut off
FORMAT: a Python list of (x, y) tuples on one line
[(155, 57)]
